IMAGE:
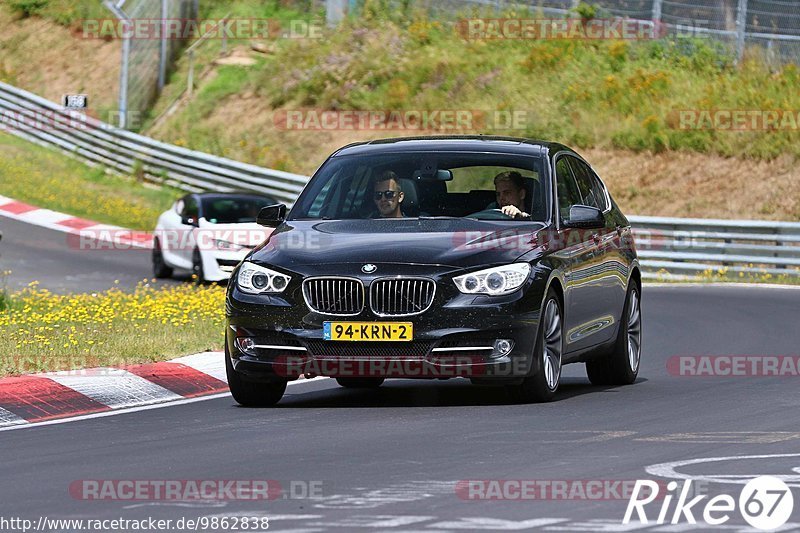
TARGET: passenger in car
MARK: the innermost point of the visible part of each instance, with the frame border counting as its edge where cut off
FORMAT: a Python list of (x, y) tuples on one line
[(510, 192), (388, 196)]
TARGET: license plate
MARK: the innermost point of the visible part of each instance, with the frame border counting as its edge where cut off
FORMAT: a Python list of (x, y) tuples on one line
[(368, 331)]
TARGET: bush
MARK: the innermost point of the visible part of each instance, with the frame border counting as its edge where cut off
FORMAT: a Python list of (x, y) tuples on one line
[(28, 8)]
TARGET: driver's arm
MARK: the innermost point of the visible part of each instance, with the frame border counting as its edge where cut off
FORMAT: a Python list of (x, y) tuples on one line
[(515, 212)]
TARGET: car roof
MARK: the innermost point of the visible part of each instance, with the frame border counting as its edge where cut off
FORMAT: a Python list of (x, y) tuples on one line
[(223, 195), (453, 143)]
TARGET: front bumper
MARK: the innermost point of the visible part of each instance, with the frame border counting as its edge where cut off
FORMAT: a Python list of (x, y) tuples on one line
[(454, 338), (218, 265)]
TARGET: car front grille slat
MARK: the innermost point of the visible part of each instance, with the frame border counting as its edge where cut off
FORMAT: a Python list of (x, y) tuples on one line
[(334, 296), (401, 297), (388, 297)]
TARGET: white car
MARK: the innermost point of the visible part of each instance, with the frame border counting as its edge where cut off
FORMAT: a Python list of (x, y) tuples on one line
[(208, 234)]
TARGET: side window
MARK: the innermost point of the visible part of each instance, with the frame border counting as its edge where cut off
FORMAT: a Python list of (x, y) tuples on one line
[(355, 198), (322, 200), (583, 177), (568, 193), (592, 189), (599, 191), (190, 209)]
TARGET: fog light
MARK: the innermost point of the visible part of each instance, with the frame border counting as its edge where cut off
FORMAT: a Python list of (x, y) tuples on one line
[(246, 345), (502, 347)]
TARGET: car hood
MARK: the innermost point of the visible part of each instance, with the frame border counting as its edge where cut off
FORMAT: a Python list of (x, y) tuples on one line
[(245, 234), (456, 243)]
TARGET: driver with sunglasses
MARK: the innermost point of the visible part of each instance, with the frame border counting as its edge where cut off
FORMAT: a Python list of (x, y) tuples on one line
[(387, 195)]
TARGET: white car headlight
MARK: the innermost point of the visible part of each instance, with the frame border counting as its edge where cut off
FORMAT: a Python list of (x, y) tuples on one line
[(226, 246), (256, 279), (495, 281)]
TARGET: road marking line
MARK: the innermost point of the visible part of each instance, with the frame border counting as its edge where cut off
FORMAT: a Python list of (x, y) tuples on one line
[(37, 398), (180, 379), (9, 418), (496, 524), (17, 208), (134, 409), (726, 437), (208, 363), (115, 388), (668, 470)]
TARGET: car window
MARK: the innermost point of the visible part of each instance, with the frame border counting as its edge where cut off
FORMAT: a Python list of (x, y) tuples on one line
[(591, 191), (323, 198), (453, 185), (190, 207), (598, 189), (568, 191), (234, 209)]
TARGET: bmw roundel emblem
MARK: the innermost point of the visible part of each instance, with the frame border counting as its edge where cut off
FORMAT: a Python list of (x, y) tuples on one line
[(369, 269)]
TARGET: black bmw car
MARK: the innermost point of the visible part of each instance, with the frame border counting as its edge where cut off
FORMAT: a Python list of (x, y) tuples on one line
[(493, 259)]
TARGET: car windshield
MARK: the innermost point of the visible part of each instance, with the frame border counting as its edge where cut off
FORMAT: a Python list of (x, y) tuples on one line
[(234, 209), (483, 186)]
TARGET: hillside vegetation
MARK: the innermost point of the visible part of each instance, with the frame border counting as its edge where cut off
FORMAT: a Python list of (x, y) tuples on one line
[(617, 102), (42, 51), (588, 93)]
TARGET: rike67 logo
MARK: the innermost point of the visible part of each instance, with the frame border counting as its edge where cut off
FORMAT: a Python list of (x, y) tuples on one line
[(765, 503)]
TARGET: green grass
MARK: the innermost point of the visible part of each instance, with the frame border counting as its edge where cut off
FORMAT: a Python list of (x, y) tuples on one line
[(49, 179), (41, 331), (233, 79), (617, 94), (65, 12), (584, 93)]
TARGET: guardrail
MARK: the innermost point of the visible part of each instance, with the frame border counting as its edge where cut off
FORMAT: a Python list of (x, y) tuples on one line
[(691, 246), (36, 119), (679, 246)]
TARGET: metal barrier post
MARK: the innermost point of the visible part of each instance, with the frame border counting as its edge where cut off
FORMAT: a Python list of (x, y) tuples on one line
[(335, 11), (190, 78), (657, 10), (162, 60), (126, 52), (741, 27)]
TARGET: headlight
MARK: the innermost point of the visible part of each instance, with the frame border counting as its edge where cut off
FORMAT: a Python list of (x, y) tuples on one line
[(256, 279), (494, 281), (226, 246)]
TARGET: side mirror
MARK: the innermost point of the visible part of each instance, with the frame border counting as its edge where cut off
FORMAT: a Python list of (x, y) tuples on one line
[(272, 216), (583, 216)]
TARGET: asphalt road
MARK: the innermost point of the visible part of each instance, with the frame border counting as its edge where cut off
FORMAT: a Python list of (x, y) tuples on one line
[(391, 459), (33, 253)]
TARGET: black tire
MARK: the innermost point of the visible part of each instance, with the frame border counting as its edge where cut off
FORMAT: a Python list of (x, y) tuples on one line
[(360, 383), (617, 368), (198, 276), (252, 393), (536, 388), (160, 268)]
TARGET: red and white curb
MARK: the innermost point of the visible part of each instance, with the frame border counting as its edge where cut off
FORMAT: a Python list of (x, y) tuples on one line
[(75, 227), (35, 398)]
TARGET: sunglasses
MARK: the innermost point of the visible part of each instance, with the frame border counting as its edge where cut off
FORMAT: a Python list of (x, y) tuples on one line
[(388, 194)]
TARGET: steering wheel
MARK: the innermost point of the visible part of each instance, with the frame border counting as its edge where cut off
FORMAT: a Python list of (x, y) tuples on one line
[(491, 214)]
